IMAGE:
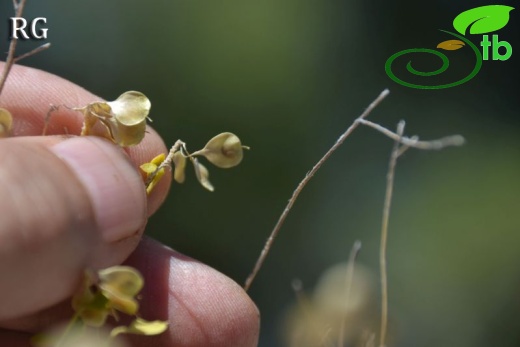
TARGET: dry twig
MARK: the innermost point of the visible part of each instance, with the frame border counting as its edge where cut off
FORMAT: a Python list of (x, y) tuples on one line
[(384, 233), (455, 140), (11, 59), (401, 144), (33, 52), (303, 183)]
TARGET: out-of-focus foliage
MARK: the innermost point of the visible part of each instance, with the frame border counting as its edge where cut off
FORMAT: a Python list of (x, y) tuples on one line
[(289, 76)]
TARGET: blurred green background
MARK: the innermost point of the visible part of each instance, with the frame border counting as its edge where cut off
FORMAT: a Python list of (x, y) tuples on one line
[(288, 77)]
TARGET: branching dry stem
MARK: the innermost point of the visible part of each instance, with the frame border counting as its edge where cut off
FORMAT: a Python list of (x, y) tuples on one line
[(33, 52), (455, 140), (18, 9), (303, 183), (401, 144), (11, 59), (384, 233)]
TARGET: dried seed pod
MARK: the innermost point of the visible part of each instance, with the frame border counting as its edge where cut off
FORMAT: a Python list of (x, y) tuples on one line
[(202, 174), (120, 284), (224, 150), (150, 169), (6, 122), (128, 124), (140, 326), (179, 161), (91, 114), (89, 303), (124, 118)]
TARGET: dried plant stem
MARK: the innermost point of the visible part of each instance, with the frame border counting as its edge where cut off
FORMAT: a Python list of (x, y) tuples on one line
[(349, 279), (401, 144), (18, 8), (33, 52), (303, 183), (455, 140), (11, 59), (384, 233), (167, 161), (47, 118)]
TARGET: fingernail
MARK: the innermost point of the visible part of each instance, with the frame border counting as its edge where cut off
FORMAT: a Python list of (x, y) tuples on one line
[(115, 187)]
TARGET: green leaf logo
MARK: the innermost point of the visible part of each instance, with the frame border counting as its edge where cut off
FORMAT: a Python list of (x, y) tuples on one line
[(482, 20)]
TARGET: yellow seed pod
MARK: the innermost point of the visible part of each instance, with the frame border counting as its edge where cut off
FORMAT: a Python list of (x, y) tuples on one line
[(128, 122), (158, 159), (90, 305), (6, 122), (140, 326), (224, 150), (120, 284), (149, 169)]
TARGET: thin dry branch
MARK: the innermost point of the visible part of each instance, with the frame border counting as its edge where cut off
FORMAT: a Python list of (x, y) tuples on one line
[(303, 183), (401, 144), (455, 140), (350, 268), (33, 52), (11, 59), (384, 233), (18, 9), (167, 161)]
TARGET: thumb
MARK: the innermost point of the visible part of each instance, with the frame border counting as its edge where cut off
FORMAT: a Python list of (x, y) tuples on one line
[(66, 204)]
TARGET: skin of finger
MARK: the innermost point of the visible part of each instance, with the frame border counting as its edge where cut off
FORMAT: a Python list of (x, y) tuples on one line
[(203, 307), (42, 267), (29, 94), (48, 234), (14, 339)]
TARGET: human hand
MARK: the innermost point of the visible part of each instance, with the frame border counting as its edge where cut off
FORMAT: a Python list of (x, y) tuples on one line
[(71, 203)]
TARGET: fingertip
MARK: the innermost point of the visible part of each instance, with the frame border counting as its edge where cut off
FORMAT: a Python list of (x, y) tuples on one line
[(203, 306), (210, 308)]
